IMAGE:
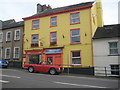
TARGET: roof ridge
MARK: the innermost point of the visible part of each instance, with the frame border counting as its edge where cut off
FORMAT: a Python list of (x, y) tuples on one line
[(74, 4), (111, 25), (63, 9), (108, 31)]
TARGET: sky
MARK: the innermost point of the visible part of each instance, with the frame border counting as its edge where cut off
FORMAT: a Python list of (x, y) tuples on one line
[(18, 9)]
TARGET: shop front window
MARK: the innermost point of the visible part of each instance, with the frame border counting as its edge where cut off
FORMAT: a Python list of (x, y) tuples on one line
[(34, 59)]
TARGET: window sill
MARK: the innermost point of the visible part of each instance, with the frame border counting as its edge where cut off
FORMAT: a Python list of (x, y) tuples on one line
[(53, 26), (114, 55), (54, 45), (76, 65), (17, 40), (7, 58), (74, 43), (16, 58), (8, 41), (35, 28), (74, 23), (35, 47)]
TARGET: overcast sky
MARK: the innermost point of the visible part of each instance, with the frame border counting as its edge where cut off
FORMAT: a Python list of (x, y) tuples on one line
[(18, 9)]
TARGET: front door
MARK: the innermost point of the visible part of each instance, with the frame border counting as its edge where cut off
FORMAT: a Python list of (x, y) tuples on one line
[(50, 60), (54, 59)]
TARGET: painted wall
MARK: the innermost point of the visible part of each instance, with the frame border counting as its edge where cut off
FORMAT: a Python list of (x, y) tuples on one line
[(63, 29), (101, 54)]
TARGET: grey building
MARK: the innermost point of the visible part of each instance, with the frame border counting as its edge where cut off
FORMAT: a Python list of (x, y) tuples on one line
[(1, 39), (11, 42)]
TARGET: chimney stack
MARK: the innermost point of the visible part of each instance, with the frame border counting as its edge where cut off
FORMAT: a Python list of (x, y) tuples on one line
[(41, 8), (0, 24)]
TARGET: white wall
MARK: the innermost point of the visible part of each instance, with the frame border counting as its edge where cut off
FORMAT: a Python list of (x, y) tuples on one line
[(101, 54)]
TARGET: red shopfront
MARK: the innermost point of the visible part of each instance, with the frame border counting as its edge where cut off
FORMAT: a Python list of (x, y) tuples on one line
[(51, 55)]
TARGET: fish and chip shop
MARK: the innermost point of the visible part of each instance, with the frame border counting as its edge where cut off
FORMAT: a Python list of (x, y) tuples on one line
[(53, 55)]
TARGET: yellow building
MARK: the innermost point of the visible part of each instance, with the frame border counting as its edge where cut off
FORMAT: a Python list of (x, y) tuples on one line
[(62, 35)]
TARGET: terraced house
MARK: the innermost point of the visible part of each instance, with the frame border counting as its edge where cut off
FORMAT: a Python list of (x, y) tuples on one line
[(62, 35), (11, 40)]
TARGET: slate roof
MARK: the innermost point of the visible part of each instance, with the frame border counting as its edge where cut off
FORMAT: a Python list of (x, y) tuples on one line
[(107, 31), (49, 11), (11, 24)]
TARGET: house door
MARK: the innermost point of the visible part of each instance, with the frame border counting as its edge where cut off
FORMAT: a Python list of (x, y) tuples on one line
[(54, 59), (50, 59)]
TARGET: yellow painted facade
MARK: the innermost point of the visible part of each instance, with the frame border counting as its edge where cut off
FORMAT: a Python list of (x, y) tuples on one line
[(90, 19)]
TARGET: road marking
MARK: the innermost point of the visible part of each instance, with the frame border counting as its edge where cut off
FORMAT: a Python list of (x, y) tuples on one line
[(80, 85), (4, 81), (10, 76)]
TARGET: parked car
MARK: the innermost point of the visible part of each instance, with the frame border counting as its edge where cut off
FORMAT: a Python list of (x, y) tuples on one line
[(47, 68), (3, 64)]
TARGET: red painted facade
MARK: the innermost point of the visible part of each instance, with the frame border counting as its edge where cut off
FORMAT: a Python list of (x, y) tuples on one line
[(56, 58)]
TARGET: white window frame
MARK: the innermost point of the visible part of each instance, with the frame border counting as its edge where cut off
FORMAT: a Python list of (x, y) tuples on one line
[(35, 25), (1, 53), (14, 55), (74, 18), (1, 34), (15, 37), (35, 40), (113, 48), (114, 70), (53, 38), (72, 36), (6, 53), (54, 21), (76, 57), (7, 35)]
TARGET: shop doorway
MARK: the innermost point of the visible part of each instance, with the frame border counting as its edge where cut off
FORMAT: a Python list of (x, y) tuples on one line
[(50, 60), (54, 59)]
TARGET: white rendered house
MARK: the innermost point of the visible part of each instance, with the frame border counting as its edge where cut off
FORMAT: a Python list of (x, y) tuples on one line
[(106, 44)]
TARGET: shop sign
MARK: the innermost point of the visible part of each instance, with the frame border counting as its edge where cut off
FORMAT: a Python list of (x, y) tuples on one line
[(49, 51), (33, 52)]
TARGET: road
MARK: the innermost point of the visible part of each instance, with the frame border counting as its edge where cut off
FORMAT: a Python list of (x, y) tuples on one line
[(12, 78)]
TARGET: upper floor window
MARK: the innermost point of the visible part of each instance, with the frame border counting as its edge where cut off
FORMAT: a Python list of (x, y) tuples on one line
[(53, 21), (17, 35), (113, 48), (8, 36), (7, 53), (53, 38), (76, 59), (35, 40), (35, 24), (75, 18), (1, 36), (16, 52), (75, 36)]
